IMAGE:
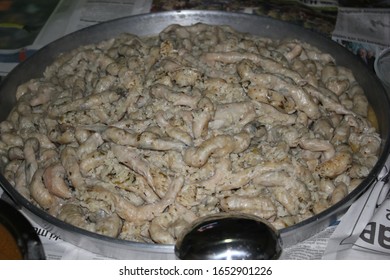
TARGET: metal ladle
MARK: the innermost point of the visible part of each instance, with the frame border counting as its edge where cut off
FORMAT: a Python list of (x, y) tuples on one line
[(229, 237)]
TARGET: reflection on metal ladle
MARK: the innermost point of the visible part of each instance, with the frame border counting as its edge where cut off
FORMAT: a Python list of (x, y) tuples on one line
[(229, 237)]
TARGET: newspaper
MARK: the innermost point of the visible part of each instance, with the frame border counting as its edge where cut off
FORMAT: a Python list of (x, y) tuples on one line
[(364, 231), (363, 31), (57, 249), (57, 21)]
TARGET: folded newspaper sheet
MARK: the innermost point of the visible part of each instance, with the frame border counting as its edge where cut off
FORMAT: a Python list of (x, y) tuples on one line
[(364, 231), (365, 32), (362, 25)]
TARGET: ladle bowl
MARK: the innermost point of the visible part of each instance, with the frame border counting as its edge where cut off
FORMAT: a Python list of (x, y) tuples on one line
[(229, 236)]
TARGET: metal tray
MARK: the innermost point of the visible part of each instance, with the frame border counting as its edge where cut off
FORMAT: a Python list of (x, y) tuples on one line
[(152, 24)]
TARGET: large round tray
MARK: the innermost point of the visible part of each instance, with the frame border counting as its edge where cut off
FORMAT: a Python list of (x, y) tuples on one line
[(152, 24)]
